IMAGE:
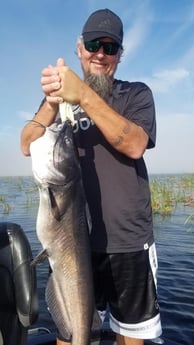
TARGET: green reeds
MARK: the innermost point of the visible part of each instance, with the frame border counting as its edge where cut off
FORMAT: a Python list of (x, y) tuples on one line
[(5, 206), (168, 191), (189, 222)]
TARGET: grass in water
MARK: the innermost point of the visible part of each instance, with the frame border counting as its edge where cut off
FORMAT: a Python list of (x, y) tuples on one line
[(5, 206), (167, 192)]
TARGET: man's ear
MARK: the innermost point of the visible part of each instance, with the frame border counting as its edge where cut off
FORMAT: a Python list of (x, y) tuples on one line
[(79, 50)]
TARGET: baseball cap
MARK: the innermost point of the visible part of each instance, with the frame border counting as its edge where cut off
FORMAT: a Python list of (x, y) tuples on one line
[(103, 23)]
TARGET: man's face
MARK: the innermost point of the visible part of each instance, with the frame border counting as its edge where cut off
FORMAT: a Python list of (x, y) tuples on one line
[(98, 63)]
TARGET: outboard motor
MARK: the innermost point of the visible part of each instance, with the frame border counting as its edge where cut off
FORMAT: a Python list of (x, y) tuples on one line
[(18, 292)]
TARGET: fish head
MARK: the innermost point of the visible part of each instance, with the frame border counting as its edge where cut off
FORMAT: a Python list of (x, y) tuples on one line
[(54, 156)]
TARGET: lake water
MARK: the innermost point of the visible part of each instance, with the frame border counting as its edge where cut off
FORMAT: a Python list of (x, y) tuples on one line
[(175, 247)]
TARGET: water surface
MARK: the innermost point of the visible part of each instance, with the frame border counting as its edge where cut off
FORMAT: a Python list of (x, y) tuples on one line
[(175, 247)]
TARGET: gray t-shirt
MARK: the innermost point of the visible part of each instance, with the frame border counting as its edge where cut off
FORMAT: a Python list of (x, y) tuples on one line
[(116, 186)]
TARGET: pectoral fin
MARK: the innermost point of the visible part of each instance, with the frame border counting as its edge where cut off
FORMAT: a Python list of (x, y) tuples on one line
[(39, 258)]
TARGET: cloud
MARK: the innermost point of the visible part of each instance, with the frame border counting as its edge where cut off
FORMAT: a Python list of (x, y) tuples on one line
[(172, 76), (166, 79), (186, 22), (133, 39), (188, 59), (137, 23), (25, 115), (174, 144), (6, 131)]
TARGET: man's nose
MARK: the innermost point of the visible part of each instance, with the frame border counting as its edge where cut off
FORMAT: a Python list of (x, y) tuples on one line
[(100, 52)]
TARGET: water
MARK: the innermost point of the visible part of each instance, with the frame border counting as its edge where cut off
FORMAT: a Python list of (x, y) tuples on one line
[(175, 247)]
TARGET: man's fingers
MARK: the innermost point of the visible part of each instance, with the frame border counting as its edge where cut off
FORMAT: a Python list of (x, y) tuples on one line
[(54, 80), (54, 99), (49, 71), (51, 81), (60, 62), (50, 87)]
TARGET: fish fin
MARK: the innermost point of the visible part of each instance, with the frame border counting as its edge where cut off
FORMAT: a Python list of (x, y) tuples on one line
[(97, 321), (39, 258), (54, 208), (56, 306)]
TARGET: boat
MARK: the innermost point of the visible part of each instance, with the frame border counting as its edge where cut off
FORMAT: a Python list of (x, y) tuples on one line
[(19, 299), (42, 336)]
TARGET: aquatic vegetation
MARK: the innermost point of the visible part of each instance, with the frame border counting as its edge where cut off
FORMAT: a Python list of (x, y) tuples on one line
[(31, 195), (189, 222), (162, 197), (167, 191), (4, 205), (17, 190)]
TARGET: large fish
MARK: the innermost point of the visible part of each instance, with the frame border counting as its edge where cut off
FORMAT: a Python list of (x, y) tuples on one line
[(63, 232)]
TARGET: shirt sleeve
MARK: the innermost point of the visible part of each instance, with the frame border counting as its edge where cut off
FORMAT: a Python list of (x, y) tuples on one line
[(140, 109)]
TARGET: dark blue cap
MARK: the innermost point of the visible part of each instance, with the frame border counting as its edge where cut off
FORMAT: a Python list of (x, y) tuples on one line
[(103, 23)]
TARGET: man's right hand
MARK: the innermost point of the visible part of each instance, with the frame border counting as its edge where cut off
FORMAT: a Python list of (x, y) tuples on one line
[(51, 81)]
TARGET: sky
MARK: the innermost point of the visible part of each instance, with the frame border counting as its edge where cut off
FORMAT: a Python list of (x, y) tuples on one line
[(158, 50)]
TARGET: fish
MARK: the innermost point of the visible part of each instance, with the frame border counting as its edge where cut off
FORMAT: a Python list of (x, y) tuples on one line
[(62, 229)]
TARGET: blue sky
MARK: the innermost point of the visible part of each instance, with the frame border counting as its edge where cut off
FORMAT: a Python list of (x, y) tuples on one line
[(159, 50)]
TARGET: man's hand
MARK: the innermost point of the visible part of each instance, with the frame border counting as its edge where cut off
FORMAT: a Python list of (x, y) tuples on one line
[(71, 86), (60, 83), (51, 81)]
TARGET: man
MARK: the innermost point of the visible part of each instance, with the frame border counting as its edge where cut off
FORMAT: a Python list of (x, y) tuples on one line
[(115, 124)]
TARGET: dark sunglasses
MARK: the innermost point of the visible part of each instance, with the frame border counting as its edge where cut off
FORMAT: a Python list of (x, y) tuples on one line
[(110, 48)]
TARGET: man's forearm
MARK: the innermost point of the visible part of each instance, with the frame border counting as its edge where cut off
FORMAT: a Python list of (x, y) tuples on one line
[(124, 135), (36, 128)]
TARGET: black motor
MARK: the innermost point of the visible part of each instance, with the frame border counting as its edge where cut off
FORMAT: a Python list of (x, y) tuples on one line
[(18, 292)]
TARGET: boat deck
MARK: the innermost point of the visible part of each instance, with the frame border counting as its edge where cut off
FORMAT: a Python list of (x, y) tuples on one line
[(103, 337)]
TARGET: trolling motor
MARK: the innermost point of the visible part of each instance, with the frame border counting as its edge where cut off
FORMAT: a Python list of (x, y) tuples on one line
[(18, 292)]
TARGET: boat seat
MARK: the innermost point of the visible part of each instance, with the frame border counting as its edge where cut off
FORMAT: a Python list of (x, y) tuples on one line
[(18, 292)]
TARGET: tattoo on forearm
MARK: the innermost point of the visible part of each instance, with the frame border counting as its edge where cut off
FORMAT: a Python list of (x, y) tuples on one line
[(118, 141), (120, 138), (126, 128)]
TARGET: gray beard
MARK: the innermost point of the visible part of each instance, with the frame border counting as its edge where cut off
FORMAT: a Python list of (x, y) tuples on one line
[(101, 84)]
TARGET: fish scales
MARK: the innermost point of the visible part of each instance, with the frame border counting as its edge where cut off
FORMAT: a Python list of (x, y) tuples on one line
[(63, 232)]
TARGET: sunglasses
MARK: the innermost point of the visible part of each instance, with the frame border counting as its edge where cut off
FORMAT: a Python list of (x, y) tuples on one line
[(110, 48)]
